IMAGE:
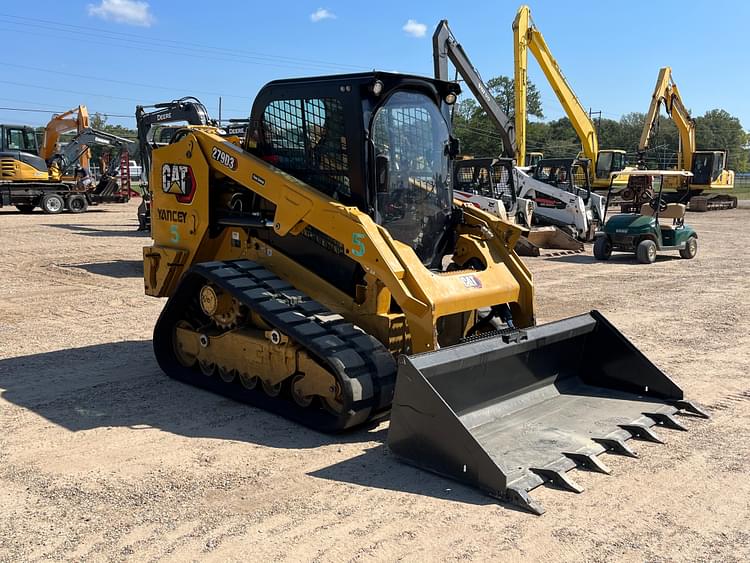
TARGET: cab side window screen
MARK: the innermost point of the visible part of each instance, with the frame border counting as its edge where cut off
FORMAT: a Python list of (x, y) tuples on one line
[(307, 139)]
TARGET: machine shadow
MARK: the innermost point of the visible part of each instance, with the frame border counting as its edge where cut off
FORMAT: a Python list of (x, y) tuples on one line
[(622, 259), (113, 269), (121, 385), (88, 231), (377, 468)]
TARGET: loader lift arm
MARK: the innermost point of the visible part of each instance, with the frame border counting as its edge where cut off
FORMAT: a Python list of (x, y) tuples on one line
[(444, 47)]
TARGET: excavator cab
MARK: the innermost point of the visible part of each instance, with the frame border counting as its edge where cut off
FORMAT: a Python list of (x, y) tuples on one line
[(19, 155), (608, 161), (532, 159), (708, 167)]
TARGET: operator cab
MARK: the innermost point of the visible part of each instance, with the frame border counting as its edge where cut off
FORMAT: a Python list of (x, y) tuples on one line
[(532, 159), (491, 178), (569, 174), (708, 167), (608, 161), (376, 140), (19, 143)]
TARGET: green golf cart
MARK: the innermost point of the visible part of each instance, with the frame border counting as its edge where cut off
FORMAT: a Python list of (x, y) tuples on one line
[(647, 223)]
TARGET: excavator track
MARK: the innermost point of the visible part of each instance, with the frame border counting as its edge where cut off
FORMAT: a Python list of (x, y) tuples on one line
[(364, 370)]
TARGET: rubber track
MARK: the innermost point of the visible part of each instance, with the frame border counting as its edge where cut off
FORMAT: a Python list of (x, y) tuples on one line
[(363, 366)]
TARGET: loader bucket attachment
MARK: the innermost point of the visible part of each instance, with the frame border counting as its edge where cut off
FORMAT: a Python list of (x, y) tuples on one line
[(547, 237), (513, 411)]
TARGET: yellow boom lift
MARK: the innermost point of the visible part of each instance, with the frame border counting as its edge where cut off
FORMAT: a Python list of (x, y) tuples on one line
[(526, 36), (322, 270), (707, 166)]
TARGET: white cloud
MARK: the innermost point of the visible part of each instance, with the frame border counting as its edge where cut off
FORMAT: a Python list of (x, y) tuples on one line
[(414, 28), (322, 14), (131, 12)]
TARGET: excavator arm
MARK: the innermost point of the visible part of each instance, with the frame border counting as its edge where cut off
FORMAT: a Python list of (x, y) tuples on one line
[(76, 119), (527, 37), (666, 92), (445, 47), (79, 145)]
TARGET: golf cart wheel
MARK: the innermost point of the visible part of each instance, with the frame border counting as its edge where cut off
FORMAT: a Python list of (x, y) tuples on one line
[(77, 203), (52, 204), (646, 252), (602, 248), (25, 208), (691, 248)]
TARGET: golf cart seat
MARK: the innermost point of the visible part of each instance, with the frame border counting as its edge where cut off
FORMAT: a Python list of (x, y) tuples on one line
[(675, 211)]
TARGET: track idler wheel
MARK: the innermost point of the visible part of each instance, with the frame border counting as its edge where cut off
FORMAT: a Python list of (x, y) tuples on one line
[(299, 398)]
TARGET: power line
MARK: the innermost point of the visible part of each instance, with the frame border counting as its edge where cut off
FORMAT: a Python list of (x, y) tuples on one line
[(29, 110), (182, 44)]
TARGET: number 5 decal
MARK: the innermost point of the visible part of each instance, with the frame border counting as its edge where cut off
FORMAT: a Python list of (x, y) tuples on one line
[(358, 247), (175, 234)]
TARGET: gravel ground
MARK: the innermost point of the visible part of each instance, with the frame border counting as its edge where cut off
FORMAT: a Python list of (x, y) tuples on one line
[(104, 458)]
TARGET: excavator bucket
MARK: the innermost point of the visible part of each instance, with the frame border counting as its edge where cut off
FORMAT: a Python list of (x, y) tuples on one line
[(517, 410), (547, 237)]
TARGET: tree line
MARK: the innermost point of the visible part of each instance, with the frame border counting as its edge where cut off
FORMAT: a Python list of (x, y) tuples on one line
[(716, 129)]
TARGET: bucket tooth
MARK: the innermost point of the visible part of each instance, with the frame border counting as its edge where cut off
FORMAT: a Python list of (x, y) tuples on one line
[(642, 432), (520, 497), (588, 461), (665, 420), (692, 408), (557, 478), (616, 446)]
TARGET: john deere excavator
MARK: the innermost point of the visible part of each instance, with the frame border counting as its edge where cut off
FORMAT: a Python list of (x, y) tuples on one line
[(321, 269), (526, 36), (708, 166), (154, 129)]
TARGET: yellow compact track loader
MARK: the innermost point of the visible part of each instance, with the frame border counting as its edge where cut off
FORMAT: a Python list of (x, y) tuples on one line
[(321, 269)]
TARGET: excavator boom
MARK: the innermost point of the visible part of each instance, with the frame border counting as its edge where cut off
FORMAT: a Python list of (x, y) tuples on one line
[(527, 37)]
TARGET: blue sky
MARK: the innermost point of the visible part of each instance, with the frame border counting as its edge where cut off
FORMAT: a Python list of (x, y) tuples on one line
[(113, 54)]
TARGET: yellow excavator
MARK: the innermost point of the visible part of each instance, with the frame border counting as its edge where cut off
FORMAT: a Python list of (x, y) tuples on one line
[(23, 160), (707, 166), (526, 36), (321, 269)]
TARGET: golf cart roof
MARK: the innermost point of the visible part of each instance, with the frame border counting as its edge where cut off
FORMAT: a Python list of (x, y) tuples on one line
[(680, 173)]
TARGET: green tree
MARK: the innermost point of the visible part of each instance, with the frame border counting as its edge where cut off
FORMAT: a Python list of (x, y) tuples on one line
[(478, 134), (718, 129)]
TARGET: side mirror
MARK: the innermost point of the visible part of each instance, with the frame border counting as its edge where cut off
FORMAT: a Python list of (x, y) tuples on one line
[(382, 173), (454, 147)]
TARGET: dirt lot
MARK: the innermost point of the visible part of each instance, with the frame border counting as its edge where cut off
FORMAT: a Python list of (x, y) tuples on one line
[(104, 458)]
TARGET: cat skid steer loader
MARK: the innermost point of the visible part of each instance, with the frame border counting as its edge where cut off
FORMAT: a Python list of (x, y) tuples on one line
[(322, 270)]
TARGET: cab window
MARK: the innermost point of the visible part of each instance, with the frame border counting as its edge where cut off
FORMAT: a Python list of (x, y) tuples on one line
[(20, 140)]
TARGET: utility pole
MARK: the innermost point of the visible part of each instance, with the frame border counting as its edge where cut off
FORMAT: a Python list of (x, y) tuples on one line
[(598, 120)]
